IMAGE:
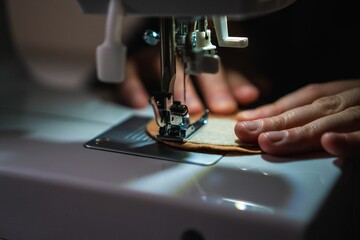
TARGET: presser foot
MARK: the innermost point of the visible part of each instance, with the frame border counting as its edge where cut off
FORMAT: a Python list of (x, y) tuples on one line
[(182, 131), (174, 121)]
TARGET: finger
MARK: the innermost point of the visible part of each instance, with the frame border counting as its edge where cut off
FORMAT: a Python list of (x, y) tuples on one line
[(190, 97), (308, 137), (216, 92), (132, 92), (342, 144), (303, 96), (250, 130), (243, 91)]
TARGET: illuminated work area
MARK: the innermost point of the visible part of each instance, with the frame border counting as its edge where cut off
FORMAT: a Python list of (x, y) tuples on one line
[(77, 158)]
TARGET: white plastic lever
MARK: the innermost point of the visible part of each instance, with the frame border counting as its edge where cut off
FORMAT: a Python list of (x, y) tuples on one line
[(221, 28), (111, 54)]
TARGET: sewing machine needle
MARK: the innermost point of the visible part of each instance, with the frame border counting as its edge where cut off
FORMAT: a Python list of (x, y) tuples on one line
[(184, 86)]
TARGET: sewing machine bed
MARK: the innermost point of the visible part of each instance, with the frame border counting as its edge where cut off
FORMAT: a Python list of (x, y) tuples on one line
[(52, 187)]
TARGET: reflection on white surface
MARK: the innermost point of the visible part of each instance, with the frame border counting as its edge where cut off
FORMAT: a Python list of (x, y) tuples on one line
[(310, 178), (49, 128), (287, 188), (171, 181), (238, 190), (247, 206)]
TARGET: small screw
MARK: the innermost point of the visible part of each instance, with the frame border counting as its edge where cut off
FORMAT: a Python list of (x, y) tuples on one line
[(151, 37), (102, 140)]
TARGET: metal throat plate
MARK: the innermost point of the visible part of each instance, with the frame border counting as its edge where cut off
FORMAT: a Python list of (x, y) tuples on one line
[(130, 137)]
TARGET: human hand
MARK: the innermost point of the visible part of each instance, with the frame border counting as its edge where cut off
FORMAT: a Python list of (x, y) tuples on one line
[(318, 116), (222, 92)]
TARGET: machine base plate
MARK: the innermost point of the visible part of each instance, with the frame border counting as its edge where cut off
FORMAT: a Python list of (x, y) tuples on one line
[(130, 137)]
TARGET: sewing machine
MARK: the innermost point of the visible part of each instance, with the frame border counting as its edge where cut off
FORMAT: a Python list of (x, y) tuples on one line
[(52, 187), (184, 33)]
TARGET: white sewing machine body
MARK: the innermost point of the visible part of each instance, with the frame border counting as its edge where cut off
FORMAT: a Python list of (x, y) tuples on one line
[(52, 187)]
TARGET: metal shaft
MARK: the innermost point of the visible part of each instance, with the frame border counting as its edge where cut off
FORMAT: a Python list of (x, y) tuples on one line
[(168, 57)]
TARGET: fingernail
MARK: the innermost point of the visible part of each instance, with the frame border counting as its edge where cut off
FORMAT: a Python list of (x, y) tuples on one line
[(139, 100), (276, 136), (247, 93), (221, 100), (194, 106), (252, 125), (224, 104)]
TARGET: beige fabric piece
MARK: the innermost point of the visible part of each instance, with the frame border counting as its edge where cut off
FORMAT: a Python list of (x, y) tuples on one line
[(217, 135)]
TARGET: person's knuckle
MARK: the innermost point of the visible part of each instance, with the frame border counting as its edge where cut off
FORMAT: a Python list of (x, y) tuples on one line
[(279, 122), (329, 104), (295, 134), (309, 130), (356, 109)]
